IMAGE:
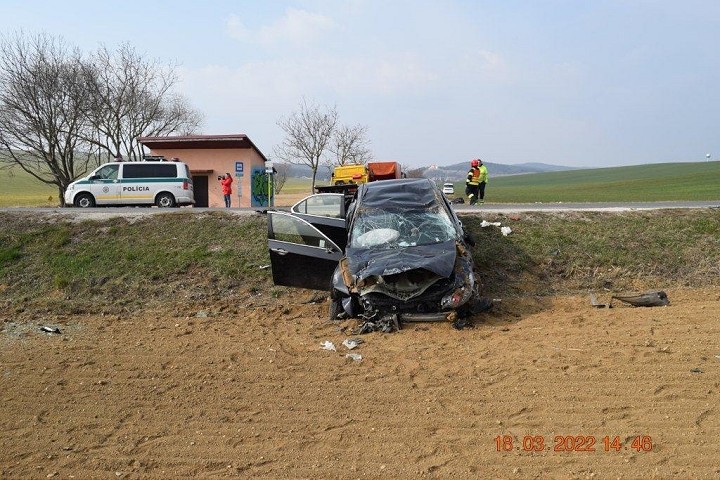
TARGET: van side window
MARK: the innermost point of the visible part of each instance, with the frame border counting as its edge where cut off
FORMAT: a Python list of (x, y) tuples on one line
[(149, 170), (108, 172)]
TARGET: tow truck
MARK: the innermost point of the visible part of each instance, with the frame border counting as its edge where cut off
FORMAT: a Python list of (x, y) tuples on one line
[(346, 178)]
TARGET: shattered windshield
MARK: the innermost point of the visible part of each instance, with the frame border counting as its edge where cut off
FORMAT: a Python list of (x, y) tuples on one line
[(391, 228)]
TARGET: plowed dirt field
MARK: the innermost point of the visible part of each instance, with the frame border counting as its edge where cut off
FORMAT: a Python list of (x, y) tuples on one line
[(532, 391)]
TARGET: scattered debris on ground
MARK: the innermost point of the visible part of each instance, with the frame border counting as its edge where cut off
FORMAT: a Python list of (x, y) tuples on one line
[(351, 343), (649, 299), (49, 329), (656, 298)]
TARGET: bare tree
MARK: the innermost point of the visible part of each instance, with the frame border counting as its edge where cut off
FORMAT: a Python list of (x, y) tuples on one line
[(413, 172), (60, 112), (132, 97), (350, 145), (307, 135), (42, 104), (280, 176)]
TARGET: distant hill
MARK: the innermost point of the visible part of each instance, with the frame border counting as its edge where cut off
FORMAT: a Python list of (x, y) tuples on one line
[(303, 171), (459, 170), (456, 171)]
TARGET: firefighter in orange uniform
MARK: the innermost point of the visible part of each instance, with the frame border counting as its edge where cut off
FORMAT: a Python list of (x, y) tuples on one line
[(476, 180)]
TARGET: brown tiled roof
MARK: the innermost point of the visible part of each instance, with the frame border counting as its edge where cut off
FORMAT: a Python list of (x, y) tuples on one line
[(201, 141)]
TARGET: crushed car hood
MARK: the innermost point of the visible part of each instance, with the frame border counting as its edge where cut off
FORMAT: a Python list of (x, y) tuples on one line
[(437, 258)]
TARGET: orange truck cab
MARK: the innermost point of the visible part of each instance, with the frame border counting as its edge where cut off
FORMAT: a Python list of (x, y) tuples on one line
[(384, 170)]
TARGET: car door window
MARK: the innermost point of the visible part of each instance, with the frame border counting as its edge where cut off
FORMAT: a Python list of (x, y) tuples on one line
[(325, 212), (287, 228), (322, 205)]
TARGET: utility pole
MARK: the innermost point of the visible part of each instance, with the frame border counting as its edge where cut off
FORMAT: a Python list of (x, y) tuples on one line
[(269, 172)]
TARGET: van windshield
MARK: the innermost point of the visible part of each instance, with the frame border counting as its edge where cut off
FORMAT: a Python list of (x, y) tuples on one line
[(108, 172)]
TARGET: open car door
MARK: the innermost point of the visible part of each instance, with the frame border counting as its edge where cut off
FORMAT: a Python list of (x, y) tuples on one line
[(326, 212), (300, 254)]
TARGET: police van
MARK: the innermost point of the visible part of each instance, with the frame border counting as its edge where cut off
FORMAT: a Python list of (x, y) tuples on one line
[(162, 183)]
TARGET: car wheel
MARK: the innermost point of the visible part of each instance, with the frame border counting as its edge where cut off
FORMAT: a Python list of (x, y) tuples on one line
[(165, 200), (339, 182), (336, 309), (84, 200)]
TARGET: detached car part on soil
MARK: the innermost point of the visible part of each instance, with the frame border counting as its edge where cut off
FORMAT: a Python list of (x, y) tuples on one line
[(656, 298), (395, 253)]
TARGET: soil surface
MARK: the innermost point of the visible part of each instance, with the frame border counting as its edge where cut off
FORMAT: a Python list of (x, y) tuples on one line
[(251, 393)]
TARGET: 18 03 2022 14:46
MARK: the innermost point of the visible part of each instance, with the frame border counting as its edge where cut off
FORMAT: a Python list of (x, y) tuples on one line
[(573, 443)]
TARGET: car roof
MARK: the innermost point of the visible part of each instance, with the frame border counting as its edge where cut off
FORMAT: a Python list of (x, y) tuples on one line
[(402, 193)]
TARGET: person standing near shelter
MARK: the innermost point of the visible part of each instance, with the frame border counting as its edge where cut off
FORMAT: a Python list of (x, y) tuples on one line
[(226, 183), (476, 180)]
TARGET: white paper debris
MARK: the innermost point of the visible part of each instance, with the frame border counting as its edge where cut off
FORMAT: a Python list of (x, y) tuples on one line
[(350, 344)]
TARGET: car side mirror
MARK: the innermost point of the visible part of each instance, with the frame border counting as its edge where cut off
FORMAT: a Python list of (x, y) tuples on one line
[(94, 177)]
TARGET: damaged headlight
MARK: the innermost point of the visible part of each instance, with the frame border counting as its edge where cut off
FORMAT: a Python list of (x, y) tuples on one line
[(456, 298), (464, 287)]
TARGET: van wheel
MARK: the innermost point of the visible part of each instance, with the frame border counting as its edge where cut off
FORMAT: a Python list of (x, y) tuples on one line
[(84, 200), (165, 200)]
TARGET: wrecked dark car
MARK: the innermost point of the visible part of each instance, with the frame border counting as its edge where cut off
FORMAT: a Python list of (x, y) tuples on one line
[(395, 253)]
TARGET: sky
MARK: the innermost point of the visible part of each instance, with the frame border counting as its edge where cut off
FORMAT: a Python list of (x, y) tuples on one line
[(579, 83)]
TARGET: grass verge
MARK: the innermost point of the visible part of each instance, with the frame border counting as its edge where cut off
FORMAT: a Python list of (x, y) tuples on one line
[(210, 261)]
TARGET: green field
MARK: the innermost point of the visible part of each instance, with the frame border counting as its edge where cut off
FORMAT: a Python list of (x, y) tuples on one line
[(298, 185), (653, 182), (128, 263), (642, 183), (18, 189)]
